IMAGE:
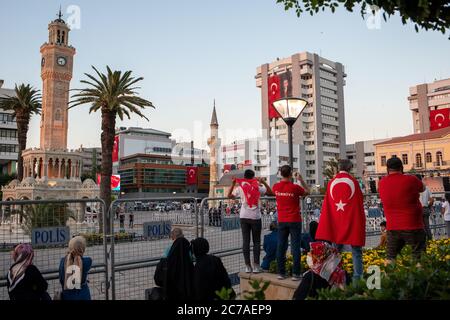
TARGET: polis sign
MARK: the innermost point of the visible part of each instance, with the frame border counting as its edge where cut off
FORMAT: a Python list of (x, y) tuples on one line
[(50, 236)]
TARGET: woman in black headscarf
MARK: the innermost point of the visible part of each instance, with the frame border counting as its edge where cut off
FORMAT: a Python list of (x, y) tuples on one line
[(178, 284), (209, 273)]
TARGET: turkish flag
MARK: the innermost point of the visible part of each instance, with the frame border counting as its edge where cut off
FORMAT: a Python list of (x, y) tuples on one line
[(191, 173), (115, 152), (342, 219), (250, 187), (439, 119), (273, 88), (226, 168)]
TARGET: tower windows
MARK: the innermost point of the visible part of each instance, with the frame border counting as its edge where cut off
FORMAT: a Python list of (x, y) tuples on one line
[(58, 115)]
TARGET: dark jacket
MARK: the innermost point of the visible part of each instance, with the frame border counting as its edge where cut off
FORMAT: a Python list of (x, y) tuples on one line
[(209, 276), (32, 287), (309, 286), (270, 247), (76, 294)]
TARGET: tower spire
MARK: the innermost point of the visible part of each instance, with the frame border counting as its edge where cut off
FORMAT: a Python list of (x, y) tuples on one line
[(214, 115), (59, 14)]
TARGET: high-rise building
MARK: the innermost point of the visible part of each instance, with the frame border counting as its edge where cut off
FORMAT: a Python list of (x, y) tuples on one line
[(321, 127), (9, 145), (430, 105)]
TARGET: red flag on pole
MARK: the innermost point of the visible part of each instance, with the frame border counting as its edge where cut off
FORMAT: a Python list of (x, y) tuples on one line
[(115, 152), (342, 219), (191, 175), (250, 187), (439, 119), (274, 94)]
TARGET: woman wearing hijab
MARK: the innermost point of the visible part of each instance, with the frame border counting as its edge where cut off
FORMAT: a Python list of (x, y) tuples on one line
[(178, 278), (73, 271), (209, 273), (25, 281), (325, 271)]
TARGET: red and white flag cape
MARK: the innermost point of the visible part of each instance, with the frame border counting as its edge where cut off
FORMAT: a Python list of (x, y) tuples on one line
[(250, 187), (342, 219)]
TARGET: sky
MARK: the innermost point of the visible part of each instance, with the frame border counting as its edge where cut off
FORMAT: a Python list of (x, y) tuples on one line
[(192, 52)]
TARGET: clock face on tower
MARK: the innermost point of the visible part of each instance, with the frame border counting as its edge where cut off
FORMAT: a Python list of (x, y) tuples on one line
[(61, 61)]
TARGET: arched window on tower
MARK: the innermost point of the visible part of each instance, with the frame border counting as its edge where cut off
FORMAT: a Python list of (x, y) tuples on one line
[(58, 115), (63, 37), (58, 38)]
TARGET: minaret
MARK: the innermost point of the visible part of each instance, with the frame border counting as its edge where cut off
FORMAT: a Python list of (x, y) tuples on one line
[(56, 73), (214, 144)]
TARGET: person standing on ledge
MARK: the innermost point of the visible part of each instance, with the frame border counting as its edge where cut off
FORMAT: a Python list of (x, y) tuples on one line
[(400, 195), (250, 190), (343, 219), (288, 195)]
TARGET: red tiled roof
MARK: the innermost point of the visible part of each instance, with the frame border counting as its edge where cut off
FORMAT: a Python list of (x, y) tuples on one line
[(418, 136)]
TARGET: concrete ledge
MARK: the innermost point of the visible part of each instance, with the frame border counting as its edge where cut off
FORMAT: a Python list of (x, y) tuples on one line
[(277, 290)]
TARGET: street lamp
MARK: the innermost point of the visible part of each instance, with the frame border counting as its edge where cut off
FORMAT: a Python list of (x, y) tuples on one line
[(289, 110)]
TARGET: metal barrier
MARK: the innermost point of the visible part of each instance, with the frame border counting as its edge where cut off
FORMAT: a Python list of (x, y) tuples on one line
[(48, 225), (144, 238)]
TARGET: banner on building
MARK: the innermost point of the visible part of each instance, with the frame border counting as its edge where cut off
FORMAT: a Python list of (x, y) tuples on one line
[(115, 181), (115, 152), (439, 119), (191, 173)]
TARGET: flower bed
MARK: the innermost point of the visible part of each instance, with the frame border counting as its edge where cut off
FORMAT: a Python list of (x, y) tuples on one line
[(437, 249)]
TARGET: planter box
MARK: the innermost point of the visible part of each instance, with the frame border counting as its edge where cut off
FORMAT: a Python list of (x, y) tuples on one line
[(277, 290)]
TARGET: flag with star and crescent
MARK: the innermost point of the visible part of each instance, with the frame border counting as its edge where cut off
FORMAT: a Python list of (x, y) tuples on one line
[(191, 175), (439, 119), (342, 218), (273, 87), (250, 187)]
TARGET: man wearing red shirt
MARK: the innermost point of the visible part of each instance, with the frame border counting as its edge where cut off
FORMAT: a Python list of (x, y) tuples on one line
[(400, 195), (288, 197)]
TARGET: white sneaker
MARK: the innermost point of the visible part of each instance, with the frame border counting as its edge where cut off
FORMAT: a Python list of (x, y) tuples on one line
[(248, 269), (281, 277), (257, 269)]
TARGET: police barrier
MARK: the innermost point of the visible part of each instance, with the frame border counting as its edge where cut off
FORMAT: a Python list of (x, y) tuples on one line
[(140, 230), (48, 225)]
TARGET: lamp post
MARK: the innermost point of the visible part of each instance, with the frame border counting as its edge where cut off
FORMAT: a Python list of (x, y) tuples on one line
[(289, 110)]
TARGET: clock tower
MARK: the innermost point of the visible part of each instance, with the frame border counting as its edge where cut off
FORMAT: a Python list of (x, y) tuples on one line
[(56, 73)]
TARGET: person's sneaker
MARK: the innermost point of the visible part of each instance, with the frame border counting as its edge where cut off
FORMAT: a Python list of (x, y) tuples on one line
[(296, 277), (257, 269), (281, 277), (248, 269)]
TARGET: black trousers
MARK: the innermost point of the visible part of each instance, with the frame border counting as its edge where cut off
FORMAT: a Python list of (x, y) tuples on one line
[(253, 227)]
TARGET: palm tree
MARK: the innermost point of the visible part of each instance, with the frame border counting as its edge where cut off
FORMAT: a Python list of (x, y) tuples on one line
[(114, 95), (26, 101)]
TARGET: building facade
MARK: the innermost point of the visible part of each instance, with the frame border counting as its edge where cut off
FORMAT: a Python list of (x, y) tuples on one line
[(321, 127), (91, 157), (9, 145), (424, 153), (52, 171), (430, 105), (149, 175)]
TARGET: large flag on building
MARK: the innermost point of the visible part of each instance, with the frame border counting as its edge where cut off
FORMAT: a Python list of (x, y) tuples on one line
[(115, 152), (227, 168), (342, 219), (191, 175), (250, 187), (274, 94), (439, 119)]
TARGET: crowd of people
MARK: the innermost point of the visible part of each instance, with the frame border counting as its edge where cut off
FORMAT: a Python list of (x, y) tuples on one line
[(188, 272)]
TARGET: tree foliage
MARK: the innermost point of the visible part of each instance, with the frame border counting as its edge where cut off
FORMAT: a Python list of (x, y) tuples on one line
[(425, 14)]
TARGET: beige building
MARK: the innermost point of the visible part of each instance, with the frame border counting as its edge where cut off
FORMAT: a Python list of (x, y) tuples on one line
[(427, 97), (426, 153), (52, 171), (9, 144), (321, 127)]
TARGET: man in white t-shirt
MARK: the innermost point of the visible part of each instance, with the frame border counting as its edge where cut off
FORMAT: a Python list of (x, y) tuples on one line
[(446, 212), (250, 218)]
